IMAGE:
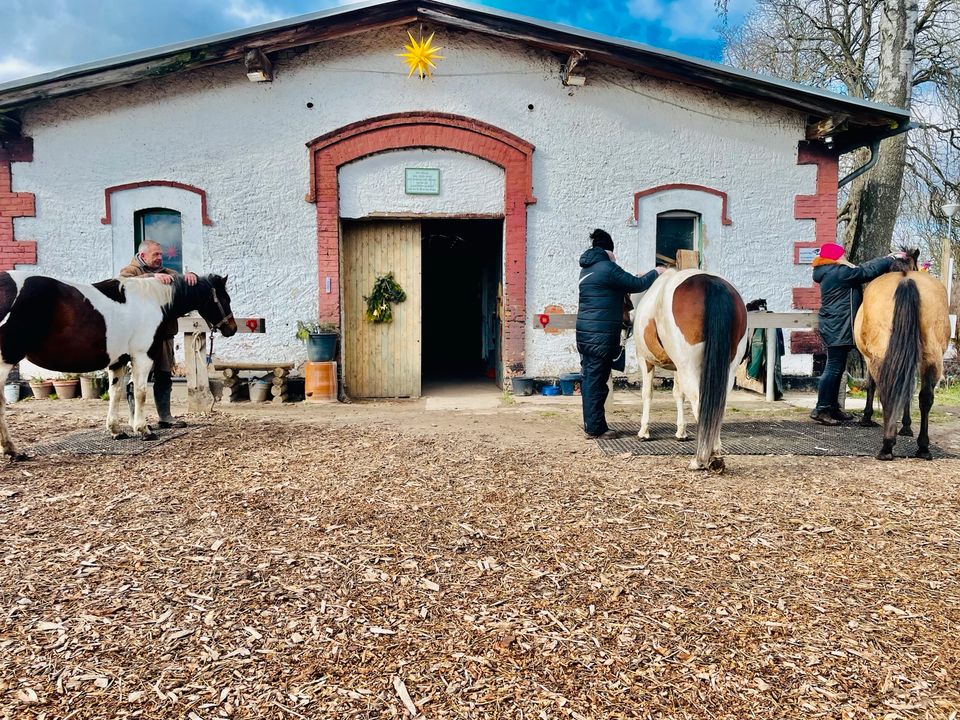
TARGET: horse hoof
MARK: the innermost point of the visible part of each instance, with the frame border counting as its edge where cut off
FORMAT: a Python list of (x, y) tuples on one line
[(924, 455), (17, 456), (717, 465), (868, 423), (695, 465), (884, 456), (148, 436), (905, 432), (643, 438), (119, 435), (682, 438)]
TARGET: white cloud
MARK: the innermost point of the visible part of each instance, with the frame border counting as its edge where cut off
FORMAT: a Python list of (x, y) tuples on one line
[(252, 12), (12, 68), (687, 19)]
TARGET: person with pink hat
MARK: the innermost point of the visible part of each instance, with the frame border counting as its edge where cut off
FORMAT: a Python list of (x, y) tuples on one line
[(841, 292)]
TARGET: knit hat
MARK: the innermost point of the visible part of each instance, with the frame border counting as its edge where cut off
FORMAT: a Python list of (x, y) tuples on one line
[(602, 239), (831, 251)]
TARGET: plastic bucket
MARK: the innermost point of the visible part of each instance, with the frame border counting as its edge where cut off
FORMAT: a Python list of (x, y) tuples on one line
[(11, 392), (259, 390), (322, 347), (570, 383), (550, 390), (521, 385), (320, 381)]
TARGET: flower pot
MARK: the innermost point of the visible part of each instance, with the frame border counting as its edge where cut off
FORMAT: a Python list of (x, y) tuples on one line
[(322, 347), (570, 383), (66, 389), (11, 392), (89, 388), (521, 385), (42, 390), (259, 391)]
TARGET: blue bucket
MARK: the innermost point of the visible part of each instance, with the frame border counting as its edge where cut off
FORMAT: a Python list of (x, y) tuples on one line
[(570, 383), (550, 390)]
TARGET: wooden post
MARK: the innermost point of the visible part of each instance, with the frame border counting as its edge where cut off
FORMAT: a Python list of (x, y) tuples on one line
[(199, 397), (771, 335)]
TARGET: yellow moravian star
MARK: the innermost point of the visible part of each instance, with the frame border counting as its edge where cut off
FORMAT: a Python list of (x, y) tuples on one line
[(420, 55)]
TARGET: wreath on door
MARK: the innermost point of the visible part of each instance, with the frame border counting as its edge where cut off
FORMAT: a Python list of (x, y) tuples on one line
[(386, 290)]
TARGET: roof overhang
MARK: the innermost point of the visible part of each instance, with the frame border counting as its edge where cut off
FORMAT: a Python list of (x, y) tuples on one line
[(849, 122)]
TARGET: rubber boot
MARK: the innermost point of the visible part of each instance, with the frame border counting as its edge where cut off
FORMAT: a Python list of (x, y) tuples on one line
[(162, 386)]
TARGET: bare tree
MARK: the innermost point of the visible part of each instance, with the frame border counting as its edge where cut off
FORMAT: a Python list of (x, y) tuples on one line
[(889, 51)]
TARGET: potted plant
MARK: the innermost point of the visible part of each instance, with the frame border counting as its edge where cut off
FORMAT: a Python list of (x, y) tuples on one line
[(91, 385), (40, 387), (67, 386), (321, 340)]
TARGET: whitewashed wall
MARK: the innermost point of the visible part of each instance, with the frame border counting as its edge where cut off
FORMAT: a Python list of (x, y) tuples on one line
[(243, 143)]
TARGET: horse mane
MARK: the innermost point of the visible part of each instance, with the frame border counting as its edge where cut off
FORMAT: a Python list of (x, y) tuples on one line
[(150, 289), (908, 265)]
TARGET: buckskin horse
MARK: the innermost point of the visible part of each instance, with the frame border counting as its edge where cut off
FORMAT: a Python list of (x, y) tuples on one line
[(693, 323), (902, 326), (73, 327)]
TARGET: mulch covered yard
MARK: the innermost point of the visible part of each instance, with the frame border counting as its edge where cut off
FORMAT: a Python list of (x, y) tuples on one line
[(271, 569)]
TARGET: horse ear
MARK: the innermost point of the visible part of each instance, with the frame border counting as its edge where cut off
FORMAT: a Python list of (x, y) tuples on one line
[(916, 253)]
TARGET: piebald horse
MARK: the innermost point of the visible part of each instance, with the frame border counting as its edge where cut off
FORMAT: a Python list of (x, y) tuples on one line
[(73, 327), (693, 323), (902, 326)]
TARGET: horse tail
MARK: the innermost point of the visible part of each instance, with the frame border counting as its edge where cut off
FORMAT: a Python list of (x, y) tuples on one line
[(718, 318), (898, 370)]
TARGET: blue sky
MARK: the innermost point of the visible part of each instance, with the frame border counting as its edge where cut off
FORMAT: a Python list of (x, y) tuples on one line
[(38, 36)]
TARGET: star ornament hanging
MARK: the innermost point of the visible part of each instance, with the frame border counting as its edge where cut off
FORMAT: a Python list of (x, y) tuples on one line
[(419, 55)]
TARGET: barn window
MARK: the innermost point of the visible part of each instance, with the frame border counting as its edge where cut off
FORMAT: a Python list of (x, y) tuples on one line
[(164, 227), (676, 230)]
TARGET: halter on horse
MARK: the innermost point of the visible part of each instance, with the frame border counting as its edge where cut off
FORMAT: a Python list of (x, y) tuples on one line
[(902, 326), (693, 323), (74, 327)]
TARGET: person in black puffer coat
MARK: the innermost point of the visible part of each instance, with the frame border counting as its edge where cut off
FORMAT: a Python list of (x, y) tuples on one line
[(841, 292), (603, 284)]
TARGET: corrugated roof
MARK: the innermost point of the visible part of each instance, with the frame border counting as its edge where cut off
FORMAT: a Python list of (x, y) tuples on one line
[(860, 119)]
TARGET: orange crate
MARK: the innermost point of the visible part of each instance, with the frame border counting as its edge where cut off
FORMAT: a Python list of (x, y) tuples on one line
[(320, 381)]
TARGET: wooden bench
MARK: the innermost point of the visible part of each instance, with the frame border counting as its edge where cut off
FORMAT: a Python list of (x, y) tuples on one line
[(235, 388)]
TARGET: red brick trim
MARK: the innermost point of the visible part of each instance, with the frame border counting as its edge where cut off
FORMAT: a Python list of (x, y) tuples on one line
[(428, 130), (14, 205), (106, 219), (724, 218), (822, 209), (805, 342), (807, 298)]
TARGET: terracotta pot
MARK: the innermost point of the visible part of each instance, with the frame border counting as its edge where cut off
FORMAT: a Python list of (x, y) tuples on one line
[(41, 390), (66, 389)]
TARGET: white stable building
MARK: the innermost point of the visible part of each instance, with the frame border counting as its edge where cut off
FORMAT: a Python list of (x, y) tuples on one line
[(303, 160)]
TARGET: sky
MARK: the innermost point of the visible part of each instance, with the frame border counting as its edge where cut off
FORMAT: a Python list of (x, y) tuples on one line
[(38, 36)]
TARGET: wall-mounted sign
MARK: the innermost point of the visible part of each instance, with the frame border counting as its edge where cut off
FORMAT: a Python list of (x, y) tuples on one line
[(421, 181), (808, 255)]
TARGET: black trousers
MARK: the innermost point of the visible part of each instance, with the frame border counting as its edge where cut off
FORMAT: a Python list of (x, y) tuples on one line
[(829, 388), (595, 373)]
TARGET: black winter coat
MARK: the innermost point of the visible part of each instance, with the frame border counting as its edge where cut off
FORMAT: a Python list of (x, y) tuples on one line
[(841, 292), (603, 284)]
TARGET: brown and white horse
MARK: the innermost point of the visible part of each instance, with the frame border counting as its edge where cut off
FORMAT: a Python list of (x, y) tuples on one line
[(72, 327), (693, 323), (902, 326)]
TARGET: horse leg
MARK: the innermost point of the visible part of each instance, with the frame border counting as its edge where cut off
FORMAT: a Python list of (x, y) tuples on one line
[(682, 433), (141, 371), (905, 425), (690, 387), (117, 390), (926, 403), (889, 436), (867, 419), (646, 395), (9, 448)]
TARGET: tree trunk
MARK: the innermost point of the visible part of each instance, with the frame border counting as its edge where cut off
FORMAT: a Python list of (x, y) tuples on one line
[(875, 197)]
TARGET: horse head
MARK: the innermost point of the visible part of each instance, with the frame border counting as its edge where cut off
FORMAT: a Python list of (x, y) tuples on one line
[(911, 262), (213, 304)]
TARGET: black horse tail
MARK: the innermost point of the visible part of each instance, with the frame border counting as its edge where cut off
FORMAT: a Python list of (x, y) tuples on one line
[(899, 367), (718, 318)]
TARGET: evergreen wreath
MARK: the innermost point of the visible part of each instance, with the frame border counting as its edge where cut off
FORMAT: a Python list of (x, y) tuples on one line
[(386, 290)]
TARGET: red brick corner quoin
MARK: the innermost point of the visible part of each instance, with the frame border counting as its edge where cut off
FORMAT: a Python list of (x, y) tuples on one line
[(821, 208), (14, 205), (436, 131)]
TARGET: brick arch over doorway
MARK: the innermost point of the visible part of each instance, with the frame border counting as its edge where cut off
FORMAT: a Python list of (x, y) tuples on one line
[(435, 131)]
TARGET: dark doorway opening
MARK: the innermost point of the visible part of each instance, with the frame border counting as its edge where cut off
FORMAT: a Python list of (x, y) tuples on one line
[(461, 290)]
